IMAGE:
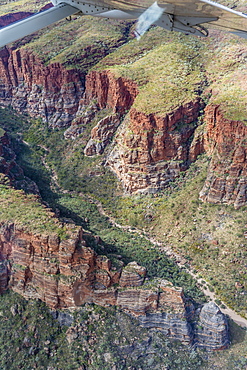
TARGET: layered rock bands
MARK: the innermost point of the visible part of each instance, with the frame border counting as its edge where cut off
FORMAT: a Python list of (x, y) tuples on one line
[(146, 151), (225, 142), (68, 273), (150, 151), (50, 92)]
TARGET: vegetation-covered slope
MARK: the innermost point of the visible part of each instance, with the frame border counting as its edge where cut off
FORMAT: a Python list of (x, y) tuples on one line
[(169, 69)]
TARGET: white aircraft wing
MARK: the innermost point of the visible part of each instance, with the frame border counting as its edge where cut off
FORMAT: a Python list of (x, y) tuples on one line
[(224, 18), (187, 16), (25, 27), (191, 13)]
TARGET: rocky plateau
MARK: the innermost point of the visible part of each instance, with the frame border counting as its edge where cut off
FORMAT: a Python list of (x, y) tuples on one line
[(67, 274), (145, 151)]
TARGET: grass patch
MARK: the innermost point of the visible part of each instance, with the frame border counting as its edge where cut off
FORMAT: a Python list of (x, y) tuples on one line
[(27, 211), (168, 75), (210, 237), (94, 337)]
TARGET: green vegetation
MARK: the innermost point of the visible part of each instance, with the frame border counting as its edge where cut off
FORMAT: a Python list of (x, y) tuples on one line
[(93, 38), (211, 237), (168, 75), (170, 70), (26, 210), (2, 132), (224, 71), (98, 338), (73, 170), (24, 6)]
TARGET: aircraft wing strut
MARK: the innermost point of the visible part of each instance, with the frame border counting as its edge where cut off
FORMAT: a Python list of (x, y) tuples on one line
[(34, 23), (187, 16)]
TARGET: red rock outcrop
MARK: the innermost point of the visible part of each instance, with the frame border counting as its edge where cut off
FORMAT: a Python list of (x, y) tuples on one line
[(151, 150), (67, 273), (225, 142), (132, 275), (50, 92), (117, 94)]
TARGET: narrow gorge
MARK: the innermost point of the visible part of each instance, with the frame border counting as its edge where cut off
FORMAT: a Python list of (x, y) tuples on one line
[(155, 132)]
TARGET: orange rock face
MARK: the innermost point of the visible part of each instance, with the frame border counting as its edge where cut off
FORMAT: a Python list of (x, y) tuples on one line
[(225, 141), (150, 150), (109, 91), (67, 274), (51, 92)]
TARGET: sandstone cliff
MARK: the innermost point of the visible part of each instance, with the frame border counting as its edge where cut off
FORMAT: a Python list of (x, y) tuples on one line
[(150, 151), (146, 151), (225, 142), (50, 92), (67, 273)]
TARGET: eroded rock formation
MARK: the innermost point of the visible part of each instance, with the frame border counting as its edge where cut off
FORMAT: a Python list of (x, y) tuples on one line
[(102, 134), (50, 92), (225, 142), (109, 91), (147, 151), (150, 150), (67, 273), (211, 330)]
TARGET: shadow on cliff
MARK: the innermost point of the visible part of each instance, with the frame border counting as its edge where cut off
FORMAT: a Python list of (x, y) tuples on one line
[(237, 334), (31, 163)]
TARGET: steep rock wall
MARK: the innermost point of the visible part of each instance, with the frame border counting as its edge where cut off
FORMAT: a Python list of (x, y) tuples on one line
[(150, 150), (109, 91), (50, 92), (225, 142), (67, 273)]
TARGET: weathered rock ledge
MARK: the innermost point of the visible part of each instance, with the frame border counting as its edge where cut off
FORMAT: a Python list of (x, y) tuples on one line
[(147, 151), (50, 92), (150, 151), (225, 142), (67, 273)]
